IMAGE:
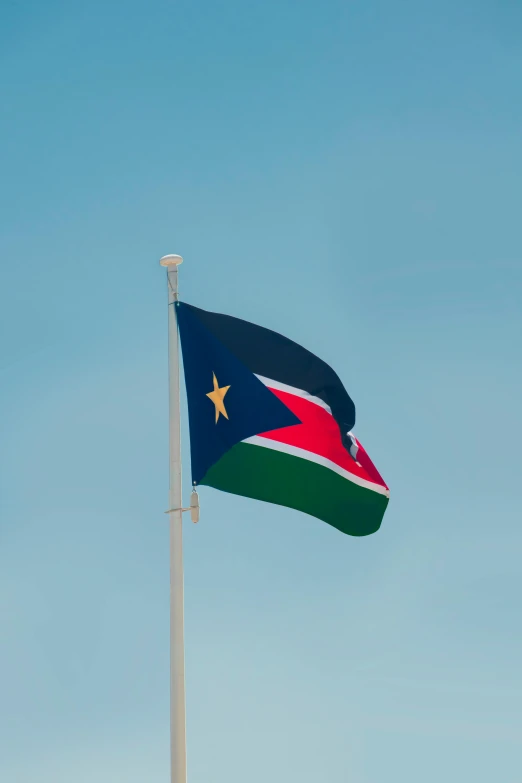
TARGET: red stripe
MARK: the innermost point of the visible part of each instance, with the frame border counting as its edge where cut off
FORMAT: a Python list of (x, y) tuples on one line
[(319, 433)]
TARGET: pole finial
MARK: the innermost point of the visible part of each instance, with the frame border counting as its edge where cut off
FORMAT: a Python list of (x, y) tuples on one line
[(171, 260)]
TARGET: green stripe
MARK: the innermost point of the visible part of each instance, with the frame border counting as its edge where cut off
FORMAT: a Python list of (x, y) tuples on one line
[(265, 474)]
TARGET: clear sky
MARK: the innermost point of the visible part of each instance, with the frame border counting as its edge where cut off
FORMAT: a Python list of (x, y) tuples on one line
[(347, 173)]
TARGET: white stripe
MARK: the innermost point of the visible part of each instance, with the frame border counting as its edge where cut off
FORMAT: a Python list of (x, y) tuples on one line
[(295, 451), (293, 390)]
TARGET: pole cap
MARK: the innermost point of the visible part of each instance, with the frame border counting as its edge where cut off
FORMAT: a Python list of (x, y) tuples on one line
[(171, 260)]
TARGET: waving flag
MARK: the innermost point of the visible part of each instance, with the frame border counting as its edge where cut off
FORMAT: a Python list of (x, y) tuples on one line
[(270, 420)]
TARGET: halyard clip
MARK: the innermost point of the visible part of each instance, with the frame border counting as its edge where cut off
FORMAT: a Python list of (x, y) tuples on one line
[(193, 508)]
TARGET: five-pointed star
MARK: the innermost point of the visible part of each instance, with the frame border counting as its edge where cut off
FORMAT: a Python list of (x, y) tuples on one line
[(217, 397)]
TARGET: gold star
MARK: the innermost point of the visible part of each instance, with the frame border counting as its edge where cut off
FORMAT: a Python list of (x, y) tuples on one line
[(217, 397)]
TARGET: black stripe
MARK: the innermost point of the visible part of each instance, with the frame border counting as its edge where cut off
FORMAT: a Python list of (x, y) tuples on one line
[(270, 354)]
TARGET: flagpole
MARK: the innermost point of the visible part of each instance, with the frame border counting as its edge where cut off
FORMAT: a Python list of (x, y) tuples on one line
[(178, 751)]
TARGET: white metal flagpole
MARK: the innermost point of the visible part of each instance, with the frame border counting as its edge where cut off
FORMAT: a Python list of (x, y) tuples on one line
[(178, 751)]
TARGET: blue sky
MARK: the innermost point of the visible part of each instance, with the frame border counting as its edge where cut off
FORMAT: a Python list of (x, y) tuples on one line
[(349, 174)]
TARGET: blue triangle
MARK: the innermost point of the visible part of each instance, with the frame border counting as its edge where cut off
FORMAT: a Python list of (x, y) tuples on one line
[(250, 406)]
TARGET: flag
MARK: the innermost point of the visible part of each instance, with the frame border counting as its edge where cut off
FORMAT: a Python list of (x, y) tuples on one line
[(271, 421)]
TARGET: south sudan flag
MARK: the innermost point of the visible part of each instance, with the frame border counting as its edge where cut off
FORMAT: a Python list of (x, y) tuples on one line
[(271, 421)]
